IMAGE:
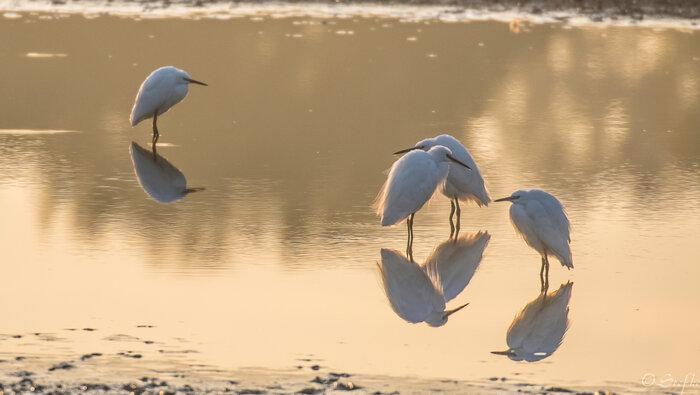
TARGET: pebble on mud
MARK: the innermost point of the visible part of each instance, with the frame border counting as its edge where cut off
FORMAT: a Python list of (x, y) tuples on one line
[(61, 366)]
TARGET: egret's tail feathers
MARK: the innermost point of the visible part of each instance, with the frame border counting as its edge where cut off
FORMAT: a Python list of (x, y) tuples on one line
[(566, 261), (482, 197)]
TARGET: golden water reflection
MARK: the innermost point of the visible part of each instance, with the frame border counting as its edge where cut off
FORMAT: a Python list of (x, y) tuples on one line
[(276, 260)]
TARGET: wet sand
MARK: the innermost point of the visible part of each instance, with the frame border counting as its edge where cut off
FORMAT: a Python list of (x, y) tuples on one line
[(139, 373)]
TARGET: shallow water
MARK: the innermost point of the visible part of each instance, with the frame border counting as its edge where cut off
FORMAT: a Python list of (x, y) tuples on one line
[(274, 265)]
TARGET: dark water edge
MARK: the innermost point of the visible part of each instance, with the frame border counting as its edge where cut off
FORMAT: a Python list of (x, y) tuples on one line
[(595, 9)]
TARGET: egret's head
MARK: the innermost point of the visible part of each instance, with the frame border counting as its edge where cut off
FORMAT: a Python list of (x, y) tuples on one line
[(424, 145), (440, 318), (187, 80), (514, 197), (443, 154)]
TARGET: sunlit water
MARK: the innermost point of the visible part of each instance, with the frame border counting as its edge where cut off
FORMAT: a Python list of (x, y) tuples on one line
[(274, 265)]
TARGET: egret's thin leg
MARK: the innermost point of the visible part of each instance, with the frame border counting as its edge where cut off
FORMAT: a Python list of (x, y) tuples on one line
[(155, 129), (546, 271), (542, 288), (408, 238), (459, 214), (452, 213), (153, 148), (409, 250)]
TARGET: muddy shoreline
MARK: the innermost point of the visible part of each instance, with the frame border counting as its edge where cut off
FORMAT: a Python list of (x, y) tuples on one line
[(559, 10), (636, 9)]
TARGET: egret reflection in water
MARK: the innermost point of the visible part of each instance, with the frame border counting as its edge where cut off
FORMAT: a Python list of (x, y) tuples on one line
[(452, 263), (539, 329), (419, 293), (161, 180)]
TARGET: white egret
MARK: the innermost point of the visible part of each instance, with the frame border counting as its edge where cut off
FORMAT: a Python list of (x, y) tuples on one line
[(159, 178), (452, 263), (413, 295), (461, 183), (541, 220), (539, 329), (163, 89), (412, 180)]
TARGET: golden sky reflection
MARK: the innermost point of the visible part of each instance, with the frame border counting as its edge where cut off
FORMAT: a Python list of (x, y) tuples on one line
[(276, 260)]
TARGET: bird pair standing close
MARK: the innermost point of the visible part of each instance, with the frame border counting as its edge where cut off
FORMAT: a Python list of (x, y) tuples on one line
[(443, 162)]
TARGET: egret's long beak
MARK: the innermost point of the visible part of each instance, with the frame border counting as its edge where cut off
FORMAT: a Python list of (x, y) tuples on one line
[(452, 158), (506, 352), (195, 82), (507, 199), (450, 312), (403, 151)]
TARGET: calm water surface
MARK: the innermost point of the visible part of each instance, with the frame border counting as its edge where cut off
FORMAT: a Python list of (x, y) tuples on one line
[(274, 265)]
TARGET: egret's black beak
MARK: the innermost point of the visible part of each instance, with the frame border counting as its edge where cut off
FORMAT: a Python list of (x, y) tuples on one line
[(507, 199), (195, 82), (450, 312), (195, 189), (452, 158), (403, 151), (506, 352)]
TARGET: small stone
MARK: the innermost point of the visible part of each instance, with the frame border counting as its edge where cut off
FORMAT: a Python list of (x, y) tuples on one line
[(349, 386), (309, 391), (558, 389), (88, 356), (315, 367), (61, 366), (95, 387)]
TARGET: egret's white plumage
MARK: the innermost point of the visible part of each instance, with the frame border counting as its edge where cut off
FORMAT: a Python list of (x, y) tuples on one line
[(412, 180), (452, 263), (462, 182), (539, 329), (413, 295), (542, 222), (161, 90), (159, 178)]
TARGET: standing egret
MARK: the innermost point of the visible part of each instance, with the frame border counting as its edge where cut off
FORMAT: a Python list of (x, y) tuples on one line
[(412, 180), (541, 220), (413, 294), (461, 184), (163, 89)]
